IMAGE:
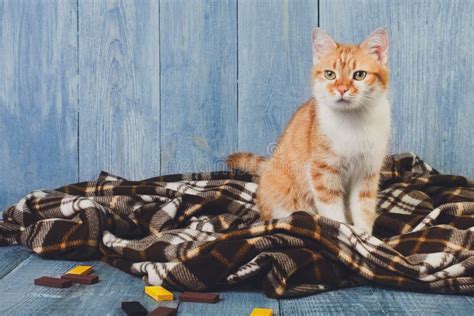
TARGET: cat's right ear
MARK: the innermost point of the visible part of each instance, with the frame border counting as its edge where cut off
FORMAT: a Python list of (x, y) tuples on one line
[(322, 44)]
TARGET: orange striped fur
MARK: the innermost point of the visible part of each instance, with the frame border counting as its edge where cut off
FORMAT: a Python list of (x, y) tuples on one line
[(308, 171)]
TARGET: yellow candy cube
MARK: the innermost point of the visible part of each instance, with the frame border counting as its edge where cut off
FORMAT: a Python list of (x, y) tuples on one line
[(261, 312), (80, 270), (159, 293)]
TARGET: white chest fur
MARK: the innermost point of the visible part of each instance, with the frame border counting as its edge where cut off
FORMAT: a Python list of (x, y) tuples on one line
[(360, 138)]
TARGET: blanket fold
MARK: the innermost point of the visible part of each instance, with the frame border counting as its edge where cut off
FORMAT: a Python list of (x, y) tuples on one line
[(202, 232)]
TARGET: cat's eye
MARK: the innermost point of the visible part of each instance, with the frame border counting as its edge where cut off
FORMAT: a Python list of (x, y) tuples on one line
[(329, 75), (359, 75)]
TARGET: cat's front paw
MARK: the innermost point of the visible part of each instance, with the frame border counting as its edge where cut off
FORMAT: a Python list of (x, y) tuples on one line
[(366, 223)]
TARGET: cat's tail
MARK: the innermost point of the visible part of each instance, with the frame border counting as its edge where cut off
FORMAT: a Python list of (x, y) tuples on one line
[(248, 162)]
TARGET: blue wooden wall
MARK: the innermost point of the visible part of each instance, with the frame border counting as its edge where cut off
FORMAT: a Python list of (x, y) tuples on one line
[(146, 87)]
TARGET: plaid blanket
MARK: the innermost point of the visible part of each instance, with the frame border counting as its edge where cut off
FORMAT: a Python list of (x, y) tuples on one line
[(202, 232)]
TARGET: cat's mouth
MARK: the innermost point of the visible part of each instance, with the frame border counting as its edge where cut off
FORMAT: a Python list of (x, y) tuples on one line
[(344, 104)]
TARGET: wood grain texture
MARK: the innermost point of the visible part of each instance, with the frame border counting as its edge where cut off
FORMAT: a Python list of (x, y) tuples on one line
[(198, 83), (274, 67), (11, 257), (234, 303), (119, 88), (369, 300), (21, 297), (432, 72), (38, 96)]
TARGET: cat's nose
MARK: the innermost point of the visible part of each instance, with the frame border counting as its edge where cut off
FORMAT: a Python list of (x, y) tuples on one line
[(342, 89)]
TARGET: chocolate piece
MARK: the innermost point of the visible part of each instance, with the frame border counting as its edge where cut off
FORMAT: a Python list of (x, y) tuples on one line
[(53, 282), (199, 297), (81, 279), (81, 270), (134, 308), (163, 311), (159, 293)]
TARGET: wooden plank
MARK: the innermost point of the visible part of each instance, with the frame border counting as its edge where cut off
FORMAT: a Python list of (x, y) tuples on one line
[(198, 83), (275, 60), (12, 256), (119, 88), (432, 72), (233, 303), (376, 301), (38, 96), (21, 297)]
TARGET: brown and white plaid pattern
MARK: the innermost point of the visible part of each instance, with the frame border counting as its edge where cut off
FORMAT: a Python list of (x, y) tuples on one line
[(202, 232)]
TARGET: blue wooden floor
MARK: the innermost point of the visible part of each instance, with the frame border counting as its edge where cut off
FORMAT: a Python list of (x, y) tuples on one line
[(18, 295)]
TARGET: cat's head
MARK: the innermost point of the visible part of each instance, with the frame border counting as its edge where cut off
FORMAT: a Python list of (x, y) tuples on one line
[(349, 77)]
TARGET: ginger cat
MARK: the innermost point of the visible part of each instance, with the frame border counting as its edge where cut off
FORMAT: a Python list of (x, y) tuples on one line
[(329, 157)]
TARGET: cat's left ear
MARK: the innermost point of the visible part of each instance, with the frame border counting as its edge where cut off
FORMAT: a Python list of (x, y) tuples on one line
[(323, 44), (377, 44)]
